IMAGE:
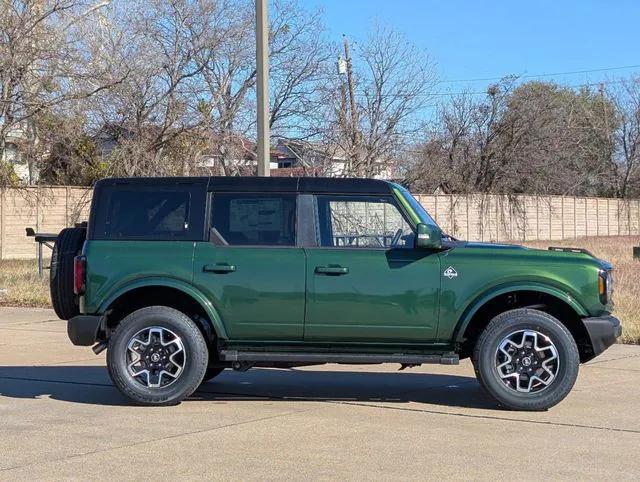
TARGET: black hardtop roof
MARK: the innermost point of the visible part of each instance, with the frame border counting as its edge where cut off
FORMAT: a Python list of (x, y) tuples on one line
[(264, 184)]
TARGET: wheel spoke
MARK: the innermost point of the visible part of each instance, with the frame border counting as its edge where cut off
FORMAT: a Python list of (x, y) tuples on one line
[(154, 379), (136, 372)]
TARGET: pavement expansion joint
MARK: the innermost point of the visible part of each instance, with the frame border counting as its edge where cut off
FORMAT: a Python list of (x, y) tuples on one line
[(160, 439)]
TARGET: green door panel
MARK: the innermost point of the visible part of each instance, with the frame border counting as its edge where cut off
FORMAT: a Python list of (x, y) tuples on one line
[(386, 296), (114, 265), (259, 292)]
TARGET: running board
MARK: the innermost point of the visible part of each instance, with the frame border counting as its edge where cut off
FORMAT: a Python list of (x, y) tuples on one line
[(354, 358)]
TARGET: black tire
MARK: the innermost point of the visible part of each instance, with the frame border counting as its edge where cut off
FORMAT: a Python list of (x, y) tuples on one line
[(211, 373), (67, 246), (196, 356), (486, 365)]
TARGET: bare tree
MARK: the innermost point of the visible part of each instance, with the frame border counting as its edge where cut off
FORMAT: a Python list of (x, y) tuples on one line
[(297, 53), (187, 70), (44, 63), (156, 43), (70, 154), (626, 99), (228, 72), (462, 150), (562, 142), (391, 83), (299, 59), (148, 87), (535, 137)]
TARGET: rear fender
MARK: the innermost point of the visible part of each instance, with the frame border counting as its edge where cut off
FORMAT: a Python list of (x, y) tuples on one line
[(186, 288)]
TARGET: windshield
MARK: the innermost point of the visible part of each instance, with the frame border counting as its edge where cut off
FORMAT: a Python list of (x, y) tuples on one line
[(416, 207)]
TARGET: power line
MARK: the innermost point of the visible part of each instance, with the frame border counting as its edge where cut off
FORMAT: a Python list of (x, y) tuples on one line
[(547, 74), (574, 86), (484, 92)]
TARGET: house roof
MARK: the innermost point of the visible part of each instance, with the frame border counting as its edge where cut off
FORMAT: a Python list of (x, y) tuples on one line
[(296, 172), (301, 148)]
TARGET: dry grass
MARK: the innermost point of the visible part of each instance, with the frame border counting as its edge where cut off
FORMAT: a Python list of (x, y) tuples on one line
[(619, 251), (21, 286)]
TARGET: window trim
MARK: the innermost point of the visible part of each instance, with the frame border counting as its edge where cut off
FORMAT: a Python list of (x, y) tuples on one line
[(393, 201), (101, 203), (209, 220), (306, 235)]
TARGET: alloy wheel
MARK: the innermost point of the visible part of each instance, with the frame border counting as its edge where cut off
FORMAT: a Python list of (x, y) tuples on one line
[(527, 361), (156, 357)]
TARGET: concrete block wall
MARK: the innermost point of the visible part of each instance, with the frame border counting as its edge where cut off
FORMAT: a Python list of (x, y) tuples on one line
[(45, 209), (527, 218), (474, 217)]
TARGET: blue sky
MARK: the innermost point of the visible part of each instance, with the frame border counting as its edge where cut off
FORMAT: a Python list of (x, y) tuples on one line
[(478, 39)]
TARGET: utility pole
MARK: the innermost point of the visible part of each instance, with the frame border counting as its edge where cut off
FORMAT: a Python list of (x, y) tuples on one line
[(342, 112), (355, 122), (605, 116), (262, 84)]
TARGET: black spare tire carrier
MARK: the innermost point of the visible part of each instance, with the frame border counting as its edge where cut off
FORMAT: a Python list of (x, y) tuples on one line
[(68, 245)]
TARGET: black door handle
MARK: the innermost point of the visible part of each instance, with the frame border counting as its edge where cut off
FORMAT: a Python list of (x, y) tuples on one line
[(219, 268), (332, 270)]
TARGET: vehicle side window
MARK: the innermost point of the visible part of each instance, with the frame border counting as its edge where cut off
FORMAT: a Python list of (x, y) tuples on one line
[(361, 222), (149, 213), (243, 219)]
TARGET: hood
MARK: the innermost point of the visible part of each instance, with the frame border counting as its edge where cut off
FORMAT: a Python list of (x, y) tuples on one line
[(459, 243), (472, 244), (552, 253)]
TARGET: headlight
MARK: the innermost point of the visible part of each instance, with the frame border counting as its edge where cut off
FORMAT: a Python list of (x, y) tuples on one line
[(605, 286)]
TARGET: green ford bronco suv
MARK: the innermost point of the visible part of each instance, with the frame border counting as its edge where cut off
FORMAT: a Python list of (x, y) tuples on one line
[(180, 278)]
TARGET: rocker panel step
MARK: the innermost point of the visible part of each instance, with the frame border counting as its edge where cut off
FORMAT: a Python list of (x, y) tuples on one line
[(262, 356)]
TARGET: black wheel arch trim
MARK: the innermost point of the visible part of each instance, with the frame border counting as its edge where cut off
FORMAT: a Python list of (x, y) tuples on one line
[(218, 327), (488, 295)]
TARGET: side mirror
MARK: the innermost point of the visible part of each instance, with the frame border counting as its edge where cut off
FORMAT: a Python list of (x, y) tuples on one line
[(428, 236)]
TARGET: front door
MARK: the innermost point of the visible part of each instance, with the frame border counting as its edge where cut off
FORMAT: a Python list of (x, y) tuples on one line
[(365, 280), (251, 269)]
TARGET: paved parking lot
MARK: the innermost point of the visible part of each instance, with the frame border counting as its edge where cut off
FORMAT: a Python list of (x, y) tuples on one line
[(60, 417)]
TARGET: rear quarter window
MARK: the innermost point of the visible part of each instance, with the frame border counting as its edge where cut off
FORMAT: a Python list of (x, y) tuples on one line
[(149, 213)]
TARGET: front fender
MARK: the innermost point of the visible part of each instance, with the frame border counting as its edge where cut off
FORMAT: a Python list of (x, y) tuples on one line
[(477, 303), (183, 286)]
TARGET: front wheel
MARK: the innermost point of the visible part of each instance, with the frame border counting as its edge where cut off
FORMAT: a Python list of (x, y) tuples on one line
[(157, 356), (526, 359)]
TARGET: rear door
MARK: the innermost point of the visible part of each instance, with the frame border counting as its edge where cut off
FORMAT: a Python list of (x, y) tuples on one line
[(251, 268), (365, 280), (142, 228)]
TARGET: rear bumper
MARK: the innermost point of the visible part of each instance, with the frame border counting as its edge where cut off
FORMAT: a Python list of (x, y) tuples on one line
[(603, 332), (85, 330)]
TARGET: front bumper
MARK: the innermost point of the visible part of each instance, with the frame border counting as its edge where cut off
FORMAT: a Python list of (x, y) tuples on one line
[(85, 330), (603, 332)]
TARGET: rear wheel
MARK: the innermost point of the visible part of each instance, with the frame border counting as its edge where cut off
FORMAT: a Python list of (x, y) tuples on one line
[(526, 359), (157, 356), (67, 246)]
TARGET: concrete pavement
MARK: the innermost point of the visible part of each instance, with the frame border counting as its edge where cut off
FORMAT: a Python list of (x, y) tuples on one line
[(61, 418)]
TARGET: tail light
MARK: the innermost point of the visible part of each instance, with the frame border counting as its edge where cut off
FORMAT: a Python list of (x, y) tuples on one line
[(79, 274)]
